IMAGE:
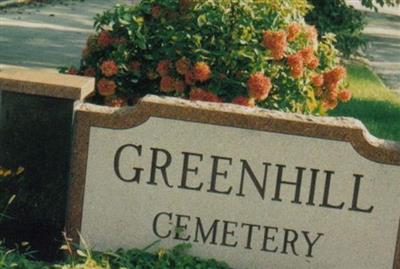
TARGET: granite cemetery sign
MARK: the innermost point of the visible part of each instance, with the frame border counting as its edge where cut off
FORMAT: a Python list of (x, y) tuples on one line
[(256, 188)]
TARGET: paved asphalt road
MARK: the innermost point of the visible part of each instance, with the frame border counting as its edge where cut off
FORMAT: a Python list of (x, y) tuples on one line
[(50, 36)]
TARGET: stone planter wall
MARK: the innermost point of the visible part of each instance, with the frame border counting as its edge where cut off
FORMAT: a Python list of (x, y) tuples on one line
[(36, 114)]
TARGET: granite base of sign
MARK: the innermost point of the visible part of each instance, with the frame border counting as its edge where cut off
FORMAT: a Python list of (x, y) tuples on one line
[(256, 188), (36, 113)]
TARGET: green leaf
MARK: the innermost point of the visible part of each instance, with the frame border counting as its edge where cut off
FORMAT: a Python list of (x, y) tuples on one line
[(201, 20)]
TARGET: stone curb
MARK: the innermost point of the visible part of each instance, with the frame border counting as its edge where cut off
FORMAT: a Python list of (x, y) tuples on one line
[(44, 69), (12, 3)]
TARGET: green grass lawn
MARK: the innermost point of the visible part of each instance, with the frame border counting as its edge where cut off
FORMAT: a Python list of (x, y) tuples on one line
[(375, 105)]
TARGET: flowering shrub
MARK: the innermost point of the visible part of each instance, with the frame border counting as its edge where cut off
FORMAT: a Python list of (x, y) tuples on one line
[(173, 258), (247, 52)]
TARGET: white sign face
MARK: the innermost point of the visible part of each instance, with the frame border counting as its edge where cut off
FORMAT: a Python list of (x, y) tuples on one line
[(255, 199)]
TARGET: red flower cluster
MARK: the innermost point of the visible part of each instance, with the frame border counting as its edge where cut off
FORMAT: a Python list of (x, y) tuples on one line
[(259, 86), (344, 95), (106, 87), (317, 80), (299, 60), (309, 57), (334, 77), (331, 94), (182, 66), (109, 68), (89, 72), (276, 41), (164, 67), (179, 86), (296, 64), (314, 63), (201, 71), (329, 100), (244, 101), (308, 54), (198, 94), (329, 103), (167, 84), (293, 31), (104, 39)]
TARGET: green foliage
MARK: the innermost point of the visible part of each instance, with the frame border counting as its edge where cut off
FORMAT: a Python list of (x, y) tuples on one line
[(373, 4), (228, 38), (18, 260), (336, 16), (340, 18), (175, 258)]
